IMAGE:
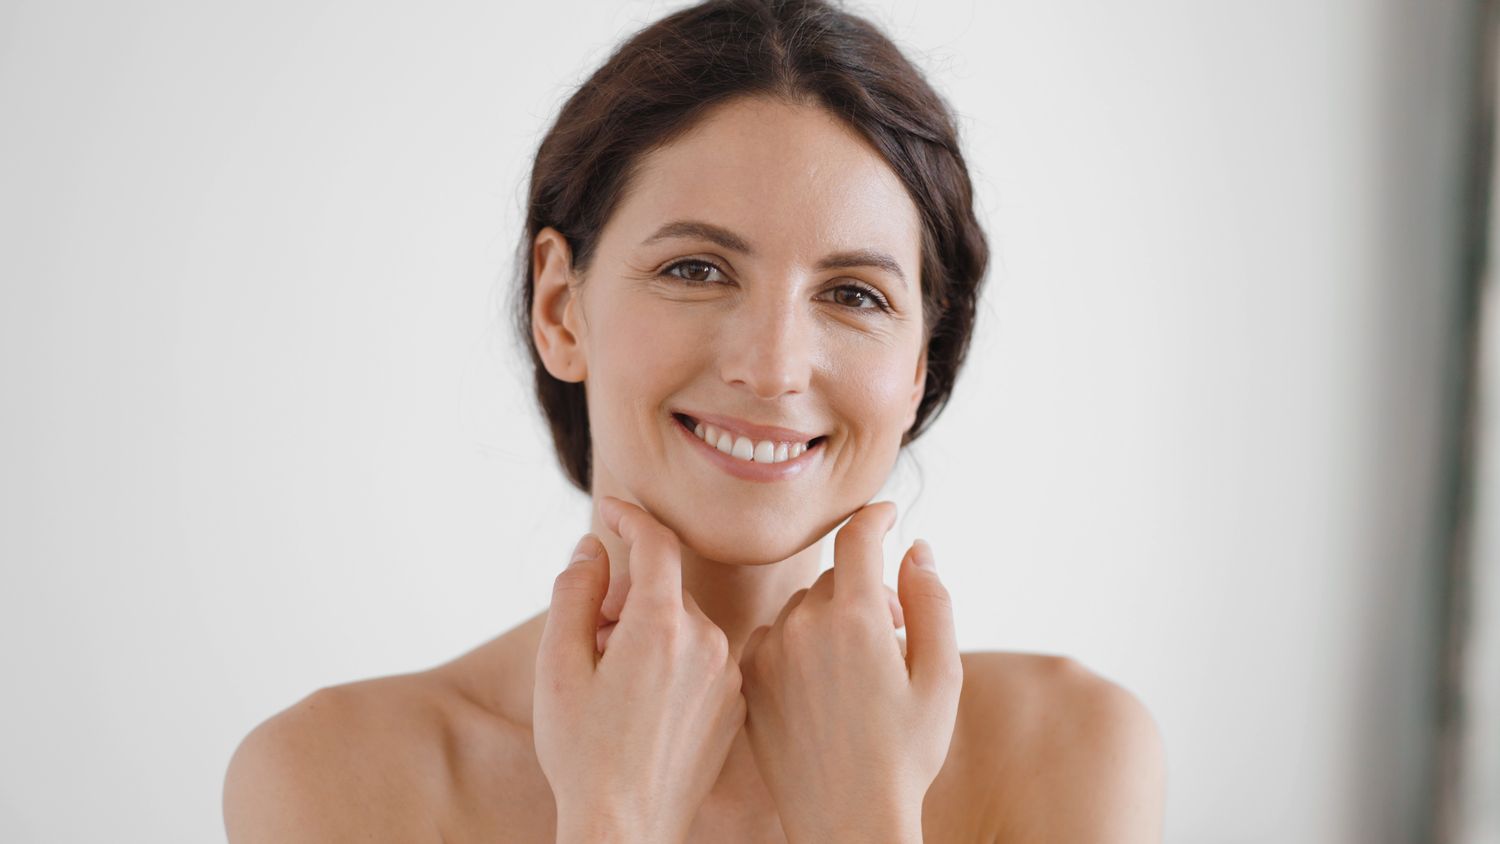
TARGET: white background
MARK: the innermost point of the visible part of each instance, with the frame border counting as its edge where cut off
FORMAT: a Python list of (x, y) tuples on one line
[(265, 427)]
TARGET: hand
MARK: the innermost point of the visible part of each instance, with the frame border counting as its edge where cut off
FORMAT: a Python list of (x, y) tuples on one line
[(847, 733), (631, 741)]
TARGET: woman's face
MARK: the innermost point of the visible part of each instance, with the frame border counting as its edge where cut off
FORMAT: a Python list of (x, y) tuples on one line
[(761, 273)]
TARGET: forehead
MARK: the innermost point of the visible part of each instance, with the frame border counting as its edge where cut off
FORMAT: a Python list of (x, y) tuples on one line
[(792, 180)]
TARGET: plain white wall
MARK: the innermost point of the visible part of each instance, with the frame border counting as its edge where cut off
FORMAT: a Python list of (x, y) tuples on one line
[(265, 429)]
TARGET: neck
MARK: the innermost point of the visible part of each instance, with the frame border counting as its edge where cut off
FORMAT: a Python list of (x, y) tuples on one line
[(736, 597)]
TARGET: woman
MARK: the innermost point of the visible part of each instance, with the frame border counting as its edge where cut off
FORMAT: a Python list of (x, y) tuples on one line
[(751, 269)]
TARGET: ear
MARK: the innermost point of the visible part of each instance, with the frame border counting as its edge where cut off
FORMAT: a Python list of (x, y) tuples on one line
[(918, 390), (555, 320)]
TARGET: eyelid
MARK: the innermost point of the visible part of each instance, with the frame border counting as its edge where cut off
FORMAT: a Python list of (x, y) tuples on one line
[(674, 264), (882, 302)]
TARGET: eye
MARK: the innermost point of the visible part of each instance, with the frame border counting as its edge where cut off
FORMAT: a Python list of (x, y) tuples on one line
[(693, 271), (860, 298), (698, 273)]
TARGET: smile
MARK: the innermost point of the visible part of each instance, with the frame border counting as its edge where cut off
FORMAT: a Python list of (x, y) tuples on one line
[(748, 458)]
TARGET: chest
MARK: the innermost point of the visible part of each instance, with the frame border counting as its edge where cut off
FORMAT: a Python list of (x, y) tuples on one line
[(496, 791)]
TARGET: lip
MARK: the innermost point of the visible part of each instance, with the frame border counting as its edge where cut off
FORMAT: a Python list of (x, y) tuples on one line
[(740, 427), (747, 470)]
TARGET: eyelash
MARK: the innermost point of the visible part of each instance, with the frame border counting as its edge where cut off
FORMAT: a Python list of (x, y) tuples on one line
[(881, 303)]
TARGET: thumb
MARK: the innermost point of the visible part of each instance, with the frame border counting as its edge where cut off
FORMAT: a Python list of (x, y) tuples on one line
[(931, 644), (573, 620)]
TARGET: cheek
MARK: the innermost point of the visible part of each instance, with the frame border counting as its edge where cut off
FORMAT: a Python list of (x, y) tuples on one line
[(874, 392), (640, 344), (638, 356), (871, 392)]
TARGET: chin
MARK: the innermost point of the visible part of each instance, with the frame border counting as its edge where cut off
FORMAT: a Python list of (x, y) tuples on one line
[(744, 539)]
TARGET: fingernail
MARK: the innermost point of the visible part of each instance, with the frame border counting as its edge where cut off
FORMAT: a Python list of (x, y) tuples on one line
[(922, 555), (588, 549)]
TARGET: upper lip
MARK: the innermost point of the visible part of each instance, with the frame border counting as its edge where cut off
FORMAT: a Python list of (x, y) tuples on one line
[(755, 432)]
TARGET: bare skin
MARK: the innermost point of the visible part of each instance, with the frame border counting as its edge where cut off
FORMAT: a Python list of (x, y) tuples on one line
[(1043, 751), (763, 270)]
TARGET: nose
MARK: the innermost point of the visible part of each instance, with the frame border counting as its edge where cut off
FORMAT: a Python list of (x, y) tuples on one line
[(767, 348)]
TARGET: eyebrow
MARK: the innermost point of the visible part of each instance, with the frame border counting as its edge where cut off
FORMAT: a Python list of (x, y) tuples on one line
[(697, 230)]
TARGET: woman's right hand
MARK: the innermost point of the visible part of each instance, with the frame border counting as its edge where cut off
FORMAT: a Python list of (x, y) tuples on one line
[(632, 741)]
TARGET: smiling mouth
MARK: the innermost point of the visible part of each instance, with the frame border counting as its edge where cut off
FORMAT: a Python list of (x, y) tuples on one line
[(742, 447)]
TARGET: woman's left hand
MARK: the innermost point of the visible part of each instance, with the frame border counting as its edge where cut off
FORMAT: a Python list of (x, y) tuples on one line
[(847, 733)]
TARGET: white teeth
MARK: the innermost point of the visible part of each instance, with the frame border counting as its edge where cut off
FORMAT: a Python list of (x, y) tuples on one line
[(765, 451)]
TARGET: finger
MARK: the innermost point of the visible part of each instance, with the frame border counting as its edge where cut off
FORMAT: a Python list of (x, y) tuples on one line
[(897, 618), (614, 599), (931, 643), (655, 555), (823, 586), (747, 653), (690, 604), (569, 632), (786, 609), (857, 554), (602, 635)]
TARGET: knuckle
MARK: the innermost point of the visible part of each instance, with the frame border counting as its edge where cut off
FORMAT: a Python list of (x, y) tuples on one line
[(795, 601), (664, 628), (799, 627), (573, 579), (713, 643), (852, 615), (936, 595), (949, 673)]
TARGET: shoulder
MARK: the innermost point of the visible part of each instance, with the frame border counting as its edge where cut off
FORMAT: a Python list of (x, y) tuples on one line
[(1067, 754), (343, 763)]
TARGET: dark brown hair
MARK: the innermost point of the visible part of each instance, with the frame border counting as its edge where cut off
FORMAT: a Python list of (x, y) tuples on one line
[(660, 82)]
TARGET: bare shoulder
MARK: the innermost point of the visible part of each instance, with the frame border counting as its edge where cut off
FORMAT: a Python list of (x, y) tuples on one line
[(1067, 755), (344, 763)]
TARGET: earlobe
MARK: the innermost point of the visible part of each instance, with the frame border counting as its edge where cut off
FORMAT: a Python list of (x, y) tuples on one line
[(553, 299)]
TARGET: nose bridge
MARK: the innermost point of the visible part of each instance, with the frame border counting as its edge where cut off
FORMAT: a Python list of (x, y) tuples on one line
[(770, 347)]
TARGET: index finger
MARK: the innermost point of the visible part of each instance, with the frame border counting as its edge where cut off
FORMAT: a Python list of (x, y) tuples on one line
[(655, 555), (858, 558)]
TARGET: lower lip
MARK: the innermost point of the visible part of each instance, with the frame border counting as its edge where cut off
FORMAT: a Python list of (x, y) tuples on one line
[(747, 470)]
